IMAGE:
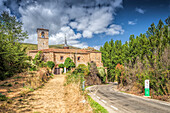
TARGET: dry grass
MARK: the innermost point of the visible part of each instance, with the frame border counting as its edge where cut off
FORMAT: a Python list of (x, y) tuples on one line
[(53, 97), (17, 88), (75, 99)]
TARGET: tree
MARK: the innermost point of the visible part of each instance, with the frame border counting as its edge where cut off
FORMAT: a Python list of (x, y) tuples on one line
[(38, 59), (61, 65), (50, 64), (168, 20), (93, 77), (143, 57), (11, 26), (12, 54), (69, 63)]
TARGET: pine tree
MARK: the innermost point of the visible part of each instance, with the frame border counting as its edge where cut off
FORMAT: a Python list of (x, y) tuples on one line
[(12, 54)]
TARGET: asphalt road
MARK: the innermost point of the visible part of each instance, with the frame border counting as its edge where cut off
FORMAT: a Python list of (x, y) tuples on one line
[(126, 103)]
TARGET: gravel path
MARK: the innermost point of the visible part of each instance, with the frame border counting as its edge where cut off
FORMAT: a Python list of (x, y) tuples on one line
[(50, 98), (53, 97)]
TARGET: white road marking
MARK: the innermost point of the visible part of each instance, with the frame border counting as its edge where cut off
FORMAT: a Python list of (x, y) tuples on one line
[(104, 101), (114, 107), (153, 100), (98, 97)]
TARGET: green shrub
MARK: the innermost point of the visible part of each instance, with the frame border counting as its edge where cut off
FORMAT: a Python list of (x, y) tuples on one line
[(39, 57), (69, 63), (33, 68), (101, 73), (61, 65), (81, 68), (50, 64), (3, 97), (31, 89), (75, 78), (9, 85), (42, 64), (16, 83)]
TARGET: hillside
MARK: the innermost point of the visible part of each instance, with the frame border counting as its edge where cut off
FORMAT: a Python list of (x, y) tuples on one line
[(58, 46), (34, 46)]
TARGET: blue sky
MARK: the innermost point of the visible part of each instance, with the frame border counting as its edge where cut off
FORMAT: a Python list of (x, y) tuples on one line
[(87, 22), (154, 10)]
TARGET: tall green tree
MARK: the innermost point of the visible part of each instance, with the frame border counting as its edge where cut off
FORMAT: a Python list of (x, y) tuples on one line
[(143, 57), (12, 54)]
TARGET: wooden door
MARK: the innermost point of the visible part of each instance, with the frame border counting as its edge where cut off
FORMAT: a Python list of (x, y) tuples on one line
[(57, 71)]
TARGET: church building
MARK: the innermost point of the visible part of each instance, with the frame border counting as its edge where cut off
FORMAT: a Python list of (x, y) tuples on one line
[(58, 56)]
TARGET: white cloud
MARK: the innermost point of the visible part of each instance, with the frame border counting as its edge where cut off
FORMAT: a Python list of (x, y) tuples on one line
[(87, 34), (139, 10), (64, 32), (131, 22), (62, 16), (97, 47), (73, 24), (114, 30)]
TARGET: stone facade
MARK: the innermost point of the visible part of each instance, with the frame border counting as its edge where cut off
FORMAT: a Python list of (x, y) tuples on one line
[(78, 56), (58, 56), (42, 38)]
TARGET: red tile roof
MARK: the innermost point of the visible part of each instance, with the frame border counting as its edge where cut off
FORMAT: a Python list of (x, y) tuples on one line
[(64, 50), (42, 29)]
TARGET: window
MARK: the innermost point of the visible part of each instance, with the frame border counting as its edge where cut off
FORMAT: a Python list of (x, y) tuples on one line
[(61, 57), (78, 58), (42, 35)]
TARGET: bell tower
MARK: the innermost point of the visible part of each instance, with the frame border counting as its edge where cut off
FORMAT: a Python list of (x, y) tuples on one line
[(42, 37)]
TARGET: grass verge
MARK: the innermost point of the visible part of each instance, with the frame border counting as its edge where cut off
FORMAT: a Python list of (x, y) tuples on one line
[(97, 108), (77, 77)]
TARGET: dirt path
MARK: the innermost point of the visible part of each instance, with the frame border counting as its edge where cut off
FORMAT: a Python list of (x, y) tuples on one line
[(53, 97), (50, 98)]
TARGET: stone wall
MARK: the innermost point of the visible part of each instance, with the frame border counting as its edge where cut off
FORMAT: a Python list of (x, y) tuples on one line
[(43, 43), (58, 59), (47, 57), (84, 58), (96, 57), (32, 54)]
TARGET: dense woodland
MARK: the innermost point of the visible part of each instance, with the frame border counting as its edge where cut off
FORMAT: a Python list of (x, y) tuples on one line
[(146, 56)]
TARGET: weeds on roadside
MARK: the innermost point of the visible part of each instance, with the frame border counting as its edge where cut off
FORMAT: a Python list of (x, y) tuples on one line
[(97, 108), (77, 76), (3, 97), (31, 89), (17, 77), (9, 85), (16, 83)]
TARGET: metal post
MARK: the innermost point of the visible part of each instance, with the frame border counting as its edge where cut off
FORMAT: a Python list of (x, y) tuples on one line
[(83, 85), (65, 70), (147, 93)]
